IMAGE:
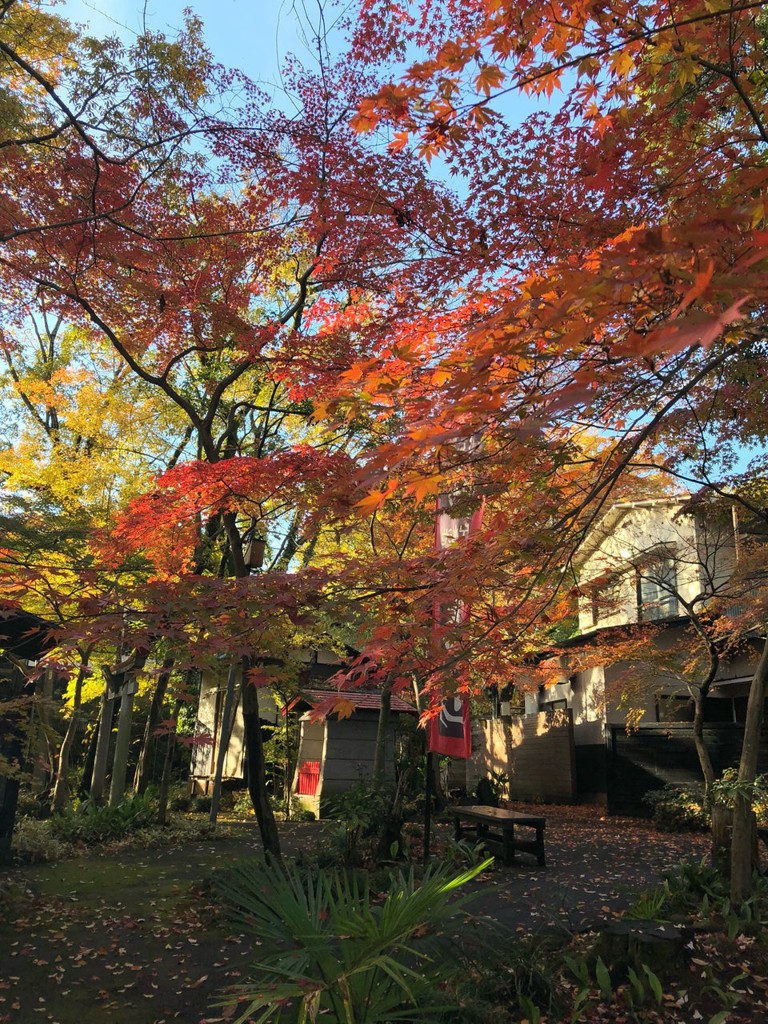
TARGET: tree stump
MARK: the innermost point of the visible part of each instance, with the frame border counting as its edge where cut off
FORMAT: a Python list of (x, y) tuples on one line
[(722, 833), (636, 943)]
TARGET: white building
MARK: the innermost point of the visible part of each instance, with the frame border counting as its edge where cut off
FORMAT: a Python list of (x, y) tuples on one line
[(656, 561)]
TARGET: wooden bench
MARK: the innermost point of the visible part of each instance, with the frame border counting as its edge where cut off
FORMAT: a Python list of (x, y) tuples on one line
[(496, 827)]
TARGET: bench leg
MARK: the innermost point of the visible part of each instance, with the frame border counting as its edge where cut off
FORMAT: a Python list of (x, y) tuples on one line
[(509, 845), (540, 847)]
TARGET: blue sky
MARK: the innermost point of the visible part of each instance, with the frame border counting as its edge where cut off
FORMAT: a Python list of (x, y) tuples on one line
[(251, 35)]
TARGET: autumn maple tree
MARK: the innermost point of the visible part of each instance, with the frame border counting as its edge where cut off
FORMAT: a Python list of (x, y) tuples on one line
[(235, 269), (345, 339), (620, 250)]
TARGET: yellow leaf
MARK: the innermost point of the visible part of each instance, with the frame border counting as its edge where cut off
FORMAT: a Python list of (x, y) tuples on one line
[(373, 501), (425, 486)]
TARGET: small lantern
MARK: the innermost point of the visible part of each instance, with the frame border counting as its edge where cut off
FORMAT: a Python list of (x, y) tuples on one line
[(254, 552)]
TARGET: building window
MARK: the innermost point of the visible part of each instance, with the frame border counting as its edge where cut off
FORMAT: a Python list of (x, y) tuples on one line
[(674, 708), (554, 705), (657, 590)]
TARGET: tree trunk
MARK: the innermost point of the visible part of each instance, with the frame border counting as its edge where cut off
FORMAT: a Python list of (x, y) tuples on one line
[(382, 732), (225, 732), (705, 761), (743, 843), (142, 777), (291, 757), (722, 818), (84, 789), (43, 764), (101, 758), (257, 780), (122, 743), (165, 780), (61, 786), (722, 838)]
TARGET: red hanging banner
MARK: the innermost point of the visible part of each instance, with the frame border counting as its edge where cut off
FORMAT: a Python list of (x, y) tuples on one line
[(448, 733)]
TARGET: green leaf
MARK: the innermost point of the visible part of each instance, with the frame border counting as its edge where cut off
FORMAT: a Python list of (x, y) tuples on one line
[(335, 954), (529, 1008), (655, 984), (636, 983), (603, 978)]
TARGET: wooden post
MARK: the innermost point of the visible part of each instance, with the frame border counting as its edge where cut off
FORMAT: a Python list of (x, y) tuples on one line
[(42, 769), (101, 759), (122, 743), (143, 768), (428, 771), (165, 781)]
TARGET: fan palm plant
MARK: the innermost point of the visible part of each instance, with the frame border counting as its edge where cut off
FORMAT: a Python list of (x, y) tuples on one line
[(337, 954)]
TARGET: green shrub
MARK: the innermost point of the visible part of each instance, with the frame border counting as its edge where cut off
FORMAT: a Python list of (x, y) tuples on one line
[(93, 824), (459, 853), (34, 841), (503, 979), (301, 813), (32, 807), (180, 803), (728, 786), (278, 804), (492, 788), (679, 808), (242, 804), (359, 814), (691, 889), (201, 804), (41, 841)]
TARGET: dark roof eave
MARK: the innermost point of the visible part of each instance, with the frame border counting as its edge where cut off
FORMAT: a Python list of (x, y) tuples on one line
[(622, 631), (25, 635)]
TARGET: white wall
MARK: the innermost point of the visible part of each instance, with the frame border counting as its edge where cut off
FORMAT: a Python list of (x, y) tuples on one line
[(212, 691), (632, 532), (585, 695), (312, 745)]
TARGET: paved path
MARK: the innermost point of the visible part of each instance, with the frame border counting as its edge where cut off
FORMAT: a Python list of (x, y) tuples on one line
[(596, 866)]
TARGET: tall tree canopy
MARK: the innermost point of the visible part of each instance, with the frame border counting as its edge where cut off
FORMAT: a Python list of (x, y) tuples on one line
[(616, 288), (337, 338)]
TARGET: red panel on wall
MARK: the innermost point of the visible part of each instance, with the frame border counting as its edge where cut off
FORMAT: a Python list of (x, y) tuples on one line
[(309, 777)]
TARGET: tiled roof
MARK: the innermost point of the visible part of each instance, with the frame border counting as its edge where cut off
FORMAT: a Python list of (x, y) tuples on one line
[(364, 699)]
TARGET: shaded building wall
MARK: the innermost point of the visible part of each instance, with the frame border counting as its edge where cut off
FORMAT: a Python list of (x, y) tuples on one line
[(537, 753), (646, 760), (312, 746), (350, 751)]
